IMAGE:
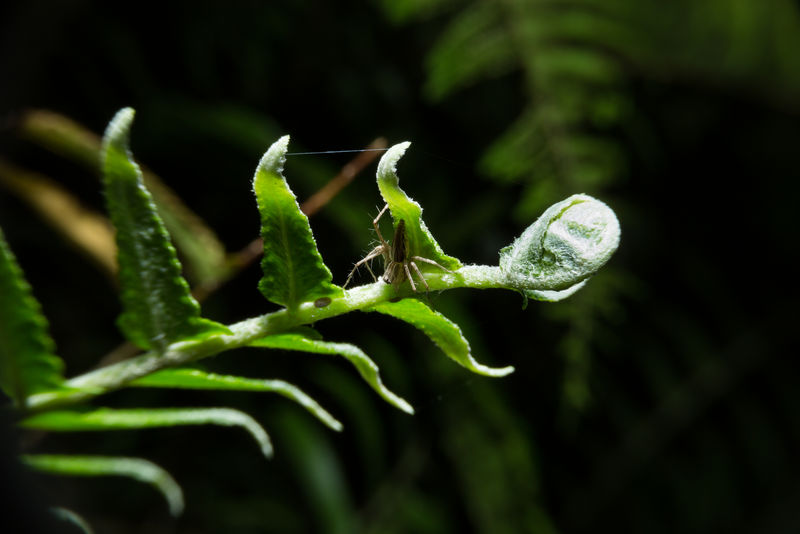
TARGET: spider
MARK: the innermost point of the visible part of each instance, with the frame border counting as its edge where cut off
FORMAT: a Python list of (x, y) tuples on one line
[(396, 262)]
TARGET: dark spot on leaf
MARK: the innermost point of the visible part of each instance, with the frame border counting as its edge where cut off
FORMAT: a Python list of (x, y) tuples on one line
[(322, 302)]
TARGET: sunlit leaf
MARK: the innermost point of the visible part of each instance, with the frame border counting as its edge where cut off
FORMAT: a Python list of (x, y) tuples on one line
[(92, 466), (157, 306), (197, 379), (200, 248), (87, 230), (365, 366), (61, 135), (127, 419), (27, 361), (441, 330), (293, 268)]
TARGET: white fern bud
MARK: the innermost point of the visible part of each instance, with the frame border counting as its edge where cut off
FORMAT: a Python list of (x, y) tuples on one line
[(565, 246)]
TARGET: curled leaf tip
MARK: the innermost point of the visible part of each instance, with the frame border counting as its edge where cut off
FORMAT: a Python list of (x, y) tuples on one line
[(387, 166), (546, 295), (419, 241), (566, 245), (367, 368), (275, 157), (485, 370)]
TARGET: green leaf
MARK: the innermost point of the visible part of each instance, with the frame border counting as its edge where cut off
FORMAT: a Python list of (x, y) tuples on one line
[(475, 45), (365, 366), (136, 468), (441, 330), (406, 10), (293, 268), (68, 516), (108, 419), (522, 147), (28, 364), (197, 379), (202, 252), (566, 245), (157, 305), (572, 73), (419, 241)]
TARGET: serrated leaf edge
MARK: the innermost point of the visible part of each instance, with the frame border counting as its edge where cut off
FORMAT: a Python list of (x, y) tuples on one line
[(456, 347)]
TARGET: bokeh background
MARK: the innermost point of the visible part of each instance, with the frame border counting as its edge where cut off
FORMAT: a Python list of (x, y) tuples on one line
[(661, 398)]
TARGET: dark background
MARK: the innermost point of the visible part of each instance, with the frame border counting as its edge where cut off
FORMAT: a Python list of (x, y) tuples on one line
[(661, 398)]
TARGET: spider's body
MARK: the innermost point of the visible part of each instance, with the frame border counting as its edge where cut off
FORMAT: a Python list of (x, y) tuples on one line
[(394, 264), (397, 265)]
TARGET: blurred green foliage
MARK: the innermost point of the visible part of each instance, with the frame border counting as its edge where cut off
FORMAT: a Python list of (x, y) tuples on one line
[(660, 398)]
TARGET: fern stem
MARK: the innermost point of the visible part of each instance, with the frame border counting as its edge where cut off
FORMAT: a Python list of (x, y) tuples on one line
[(112, 377)]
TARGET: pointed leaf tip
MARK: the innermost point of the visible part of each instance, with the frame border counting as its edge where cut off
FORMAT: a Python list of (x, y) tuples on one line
[(122, 119), (274, 158), (118, 130)]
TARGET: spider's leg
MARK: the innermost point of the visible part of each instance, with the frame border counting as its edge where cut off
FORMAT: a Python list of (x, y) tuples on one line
[(431, 262), (367, 265), (377, 251), (419, 274), (380, 250), (377, 229), (408, 275)]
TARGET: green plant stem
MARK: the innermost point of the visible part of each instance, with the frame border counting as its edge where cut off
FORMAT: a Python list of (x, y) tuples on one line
[(115, 376)]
